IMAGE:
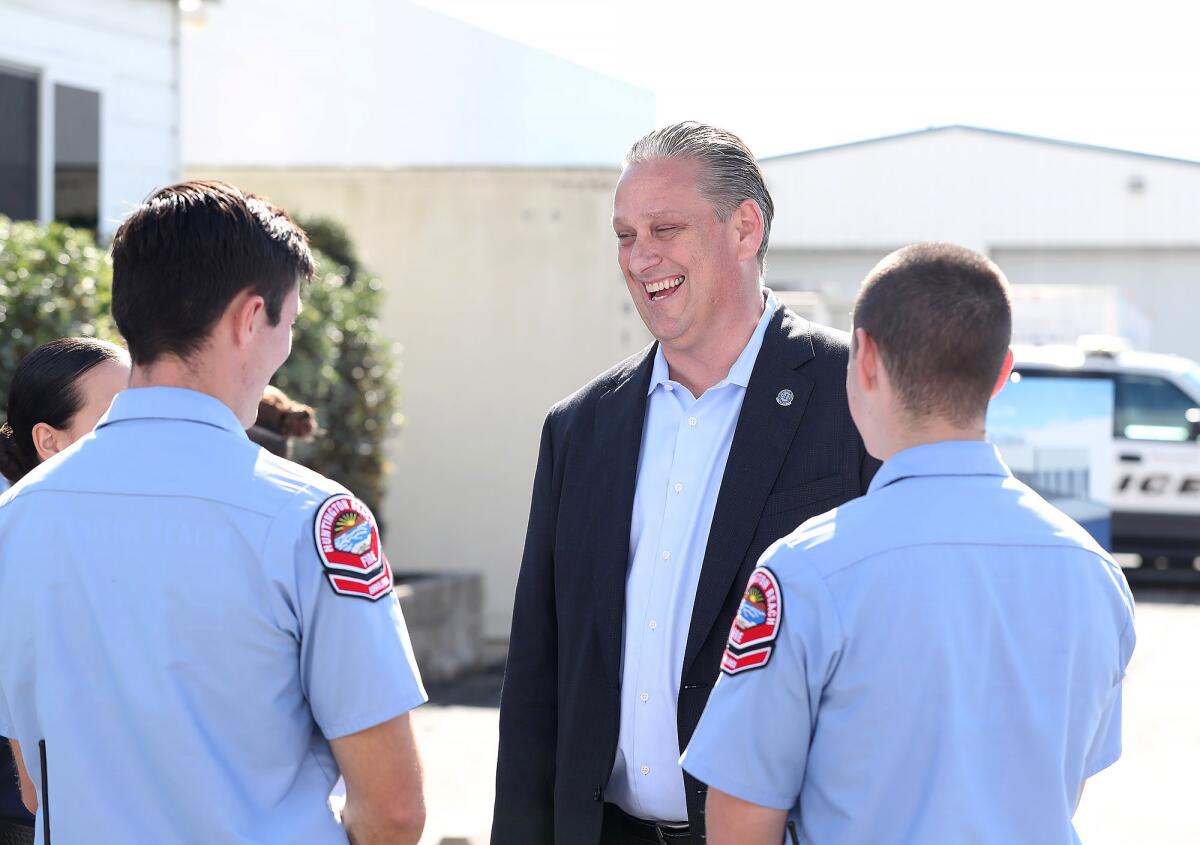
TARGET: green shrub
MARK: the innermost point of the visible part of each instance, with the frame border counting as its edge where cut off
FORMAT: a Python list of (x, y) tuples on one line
[(56, 282), (342, 366)]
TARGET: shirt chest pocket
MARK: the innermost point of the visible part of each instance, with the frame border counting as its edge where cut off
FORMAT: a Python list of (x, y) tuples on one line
[(804, 496)]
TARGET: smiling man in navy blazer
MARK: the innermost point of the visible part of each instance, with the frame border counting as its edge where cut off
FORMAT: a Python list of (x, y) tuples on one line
[(658, 486)]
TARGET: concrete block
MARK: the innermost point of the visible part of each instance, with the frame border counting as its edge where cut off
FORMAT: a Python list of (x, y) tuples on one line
[(444, 614)]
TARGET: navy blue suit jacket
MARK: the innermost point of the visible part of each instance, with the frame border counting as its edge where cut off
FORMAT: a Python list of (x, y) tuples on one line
[(560, 706)]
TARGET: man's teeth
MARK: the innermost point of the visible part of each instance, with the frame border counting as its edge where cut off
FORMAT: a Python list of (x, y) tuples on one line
[(665, 284)]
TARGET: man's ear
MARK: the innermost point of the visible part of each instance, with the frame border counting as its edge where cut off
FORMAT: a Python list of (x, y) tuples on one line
[(751, 227), (1005, 372), (865, 359), (48, 440), (244, 313)]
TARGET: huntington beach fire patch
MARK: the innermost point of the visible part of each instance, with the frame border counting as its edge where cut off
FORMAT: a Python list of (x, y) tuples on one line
[(756, 625), (348, 544)]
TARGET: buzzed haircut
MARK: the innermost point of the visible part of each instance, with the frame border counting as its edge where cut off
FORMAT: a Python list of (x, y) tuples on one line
[(182, 256), (941, 317), (729, 173)]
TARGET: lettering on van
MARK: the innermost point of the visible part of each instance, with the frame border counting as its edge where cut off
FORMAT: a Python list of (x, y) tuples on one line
[(1159, 484)]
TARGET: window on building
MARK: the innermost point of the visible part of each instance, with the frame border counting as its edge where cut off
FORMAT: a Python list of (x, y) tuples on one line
[(76, 156), (18, 145)]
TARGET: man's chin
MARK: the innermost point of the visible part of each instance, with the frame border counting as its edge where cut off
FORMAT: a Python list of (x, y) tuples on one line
[(667, 329)]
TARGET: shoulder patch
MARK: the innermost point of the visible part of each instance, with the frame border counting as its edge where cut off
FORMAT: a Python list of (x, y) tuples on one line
[(348, 545), (752, 637)]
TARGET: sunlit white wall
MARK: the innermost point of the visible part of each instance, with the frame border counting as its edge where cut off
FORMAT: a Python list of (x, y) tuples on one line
[(1048, 213), (123, 50), (378, 83)]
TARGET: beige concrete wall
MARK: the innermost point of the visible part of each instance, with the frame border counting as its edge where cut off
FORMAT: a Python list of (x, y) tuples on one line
[(504, 290)]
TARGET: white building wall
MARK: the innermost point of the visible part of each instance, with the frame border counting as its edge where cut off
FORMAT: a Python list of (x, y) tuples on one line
[(1047, 212), (385, 83), (835, 274), (980, 189), (126, 51), (1163, 284)]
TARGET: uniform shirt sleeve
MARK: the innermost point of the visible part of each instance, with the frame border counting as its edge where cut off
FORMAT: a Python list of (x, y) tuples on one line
[(752, 741), (356, 662), (1106, 746)]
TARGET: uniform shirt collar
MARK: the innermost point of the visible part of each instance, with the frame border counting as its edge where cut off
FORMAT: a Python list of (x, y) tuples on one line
[(952, 457), (171, 403), (739, 373)]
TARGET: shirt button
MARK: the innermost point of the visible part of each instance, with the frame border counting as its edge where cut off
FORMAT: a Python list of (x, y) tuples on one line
[(666, 555), (678, 488), (644, 696), (653, 624), (692, 421), (645, 770)]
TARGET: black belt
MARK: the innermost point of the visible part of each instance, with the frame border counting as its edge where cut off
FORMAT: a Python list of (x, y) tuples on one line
[(641, 830)]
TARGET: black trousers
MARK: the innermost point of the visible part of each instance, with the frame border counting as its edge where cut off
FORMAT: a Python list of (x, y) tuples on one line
[(15, 832)]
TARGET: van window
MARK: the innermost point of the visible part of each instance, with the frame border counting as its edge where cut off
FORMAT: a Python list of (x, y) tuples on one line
[(1152, 408)]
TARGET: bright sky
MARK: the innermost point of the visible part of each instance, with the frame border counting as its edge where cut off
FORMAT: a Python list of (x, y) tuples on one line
[(795, 74)]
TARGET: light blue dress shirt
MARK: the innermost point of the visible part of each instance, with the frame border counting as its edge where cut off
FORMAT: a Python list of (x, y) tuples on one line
[(945, 665), (685, 443), (169, 630)]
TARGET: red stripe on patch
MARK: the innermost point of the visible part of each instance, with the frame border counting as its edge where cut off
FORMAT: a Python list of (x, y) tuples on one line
[(373, 590), (756, 624), (732, 663)]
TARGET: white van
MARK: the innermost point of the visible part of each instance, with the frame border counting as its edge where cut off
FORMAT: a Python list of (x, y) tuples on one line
[(1156, 442)]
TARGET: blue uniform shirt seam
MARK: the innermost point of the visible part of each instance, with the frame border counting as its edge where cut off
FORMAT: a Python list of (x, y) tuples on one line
[(823, 579), (958, 545), (112, 493), (276, 522)]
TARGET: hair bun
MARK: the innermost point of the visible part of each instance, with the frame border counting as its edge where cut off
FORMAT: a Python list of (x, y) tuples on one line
[(13, 462)]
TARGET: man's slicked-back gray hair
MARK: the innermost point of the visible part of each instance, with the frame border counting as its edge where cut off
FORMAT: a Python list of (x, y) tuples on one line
[(729, 172)]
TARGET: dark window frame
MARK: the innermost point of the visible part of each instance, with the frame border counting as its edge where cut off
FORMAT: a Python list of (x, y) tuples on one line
[(76, 178), (55, 134), (21, 196)]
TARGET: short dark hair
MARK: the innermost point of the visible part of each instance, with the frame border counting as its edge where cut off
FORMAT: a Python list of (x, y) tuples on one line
[(941, 317), (187, 251), (729, 175), (45, 389)]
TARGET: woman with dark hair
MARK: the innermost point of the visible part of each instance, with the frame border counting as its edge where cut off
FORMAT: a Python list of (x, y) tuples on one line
[(57, 394)]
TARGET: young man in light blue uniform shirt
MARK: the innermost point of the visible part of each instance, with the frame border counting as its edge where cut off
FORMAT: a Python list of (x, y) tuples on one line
[(199, 636), (939, 661)]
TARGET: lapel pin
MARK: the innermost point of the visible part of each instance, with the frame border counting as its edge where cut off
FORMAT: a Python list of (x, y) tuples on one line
[(785, 397)]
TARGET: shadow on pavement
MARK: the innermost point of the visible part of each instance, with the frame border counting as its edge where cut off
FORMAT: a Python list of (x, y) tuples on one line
[(478, 689)]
